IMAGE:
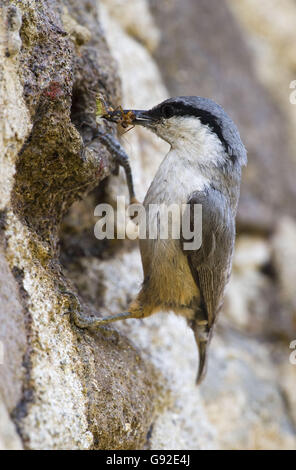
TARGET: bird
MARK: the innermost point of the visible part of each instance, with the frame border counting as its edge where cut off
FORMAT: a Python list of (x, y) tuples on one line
[(202, 168)]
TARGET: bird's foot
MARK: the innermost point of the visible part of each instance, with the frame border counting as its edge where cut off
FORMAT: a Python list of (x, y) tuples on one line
[(122, 159), (92, 322), (82, 320)]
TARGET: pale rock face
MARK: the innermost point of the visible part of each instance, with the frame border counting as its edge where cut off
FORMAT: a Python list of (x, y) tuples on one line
[(284, 255), (243, 395), (52, 361), (14, 117), (136, 19), (247, 284), (270, 30), (9, 439), (108, 389)]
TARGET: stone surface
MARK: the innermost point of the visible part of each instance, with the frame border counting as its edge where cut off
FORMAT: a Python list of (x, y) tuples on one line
[(130, 386), (136, 19), (57, 382), (269, 28), (9, 439), (12, 337), (243, 395), (284, 256), (246, 304)]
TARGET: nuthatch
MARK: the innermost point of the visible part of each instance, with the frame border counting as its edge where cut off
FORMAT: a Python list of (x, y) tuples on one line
[(202, 167)]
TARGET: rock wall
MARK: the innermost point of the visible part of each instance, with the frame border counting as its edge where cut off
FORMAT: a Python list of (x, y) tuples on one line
[(60, 385), (130, 386)]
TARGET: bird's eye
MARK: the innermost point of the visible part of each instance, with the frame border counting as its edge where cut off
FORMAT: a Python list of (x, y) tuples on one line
[(167, 111)]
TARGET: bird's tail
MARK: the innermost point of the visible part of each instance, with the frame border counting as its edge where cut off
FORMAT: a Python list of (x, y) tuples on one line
[(202, 338)]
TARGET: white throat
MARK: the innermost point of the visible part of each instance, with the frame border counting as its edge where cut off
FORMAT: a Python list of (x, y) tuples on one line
[(192, 140), (195, 154)]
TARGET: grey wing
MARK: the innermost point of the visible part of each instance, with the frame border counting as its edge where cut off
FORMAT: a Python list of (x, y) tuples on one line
[(211, 263)]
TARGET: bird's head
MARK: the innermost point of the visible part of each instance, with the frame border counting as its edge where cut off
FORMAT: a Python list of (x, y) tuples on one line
[(192, 121)]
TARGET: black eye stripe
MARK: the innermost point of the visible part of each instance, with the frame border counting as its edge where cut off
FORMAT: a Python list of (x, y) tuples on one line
[(179, 109), (168, 111)]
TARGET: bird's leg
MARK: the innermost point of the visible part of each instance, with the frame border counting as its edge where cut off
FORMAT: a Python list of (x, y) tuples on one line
[(122, 158), (83, 320), (78, 317), (87, 321)]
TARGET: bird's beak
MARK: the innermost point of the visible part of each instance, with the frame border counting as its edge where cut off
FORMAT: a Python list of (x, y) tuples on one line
[(141, 118), (131, 117)]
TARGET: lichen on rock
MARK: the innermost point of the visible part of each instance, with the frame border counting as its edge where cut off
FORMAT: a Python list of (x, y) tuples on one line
[(69, 383)]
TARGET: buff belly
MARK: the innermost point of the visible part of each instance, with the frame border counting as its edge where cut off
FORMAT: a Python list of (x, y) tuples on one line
[(167, 274)]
